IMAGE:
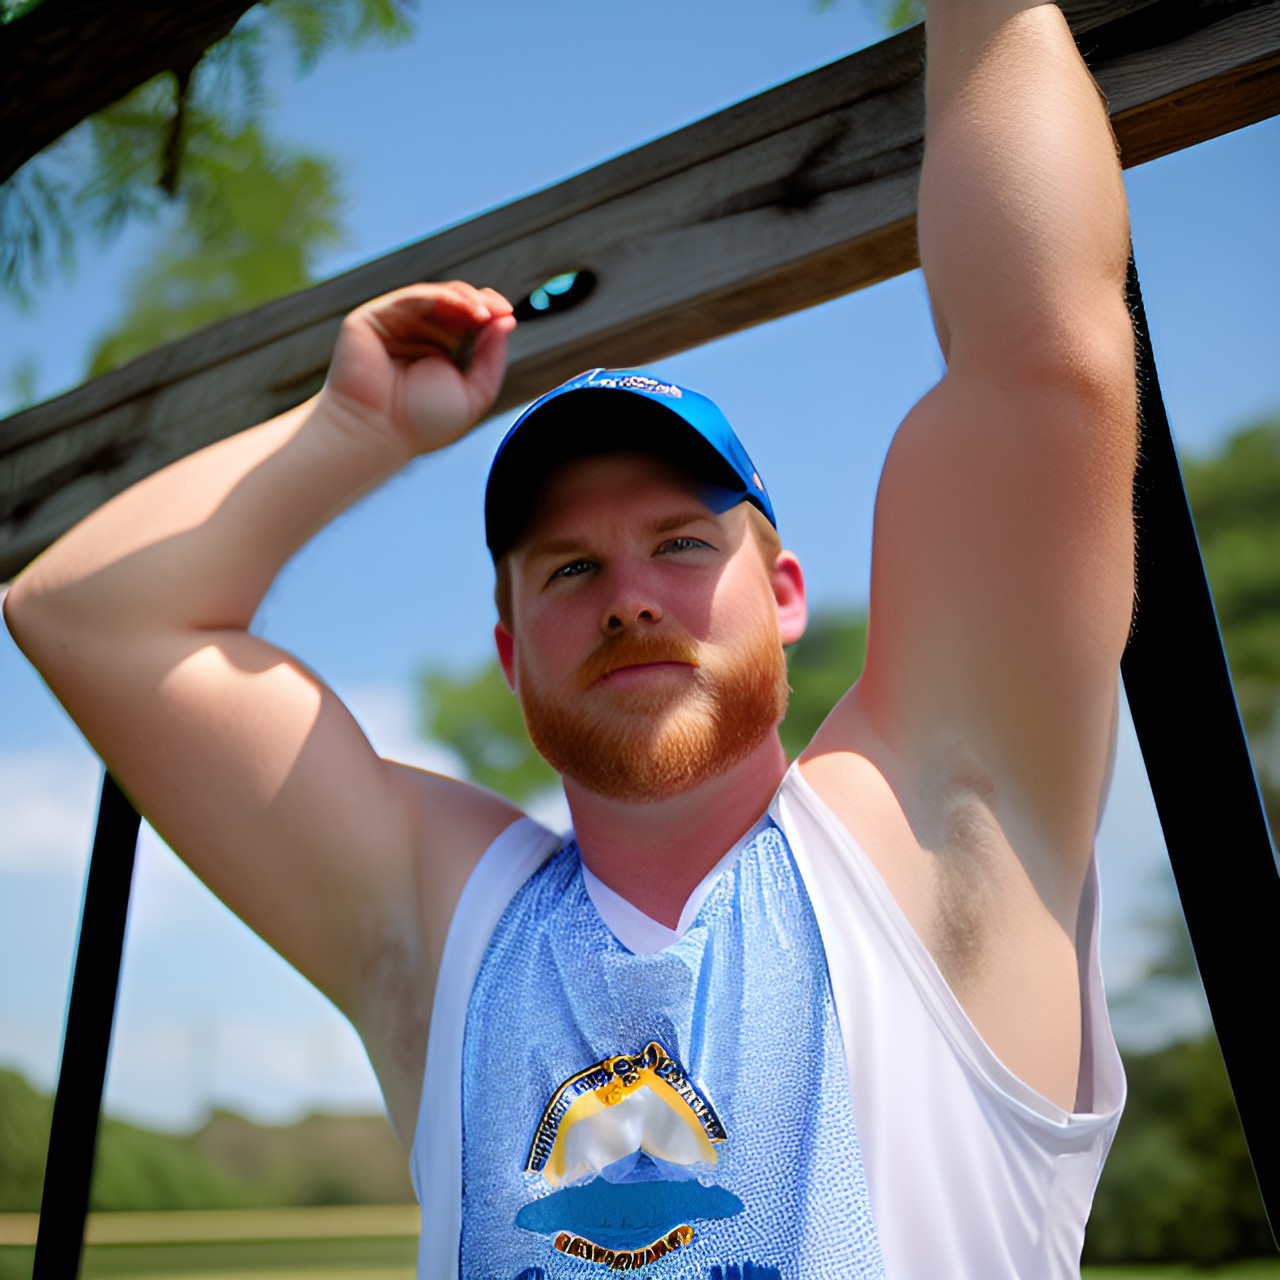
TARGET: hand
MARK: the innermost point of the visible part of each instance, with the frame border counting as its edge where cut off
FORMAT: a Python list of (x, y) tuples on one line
[(424, 362)]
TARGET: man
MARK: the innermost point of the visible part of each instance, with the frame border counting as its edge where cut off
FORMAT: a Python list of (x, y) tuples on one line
[(842, 1019)]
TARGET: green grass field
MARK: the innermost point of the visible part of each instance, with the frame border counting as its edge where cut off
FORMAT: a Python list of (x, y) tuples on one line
[(393, 1259), (389, 1260), (347, 1243), (277, 1260), (341, 1243), (1259, 1269)]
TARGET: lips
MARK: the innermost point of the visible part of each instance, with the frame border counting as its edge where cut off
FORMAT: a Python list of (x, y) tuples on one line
[(629, 650)]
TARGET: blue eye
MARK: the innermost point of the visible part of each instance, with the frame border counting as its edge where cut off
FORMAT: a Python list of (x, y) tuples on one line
[(683, 544), (572, 569)]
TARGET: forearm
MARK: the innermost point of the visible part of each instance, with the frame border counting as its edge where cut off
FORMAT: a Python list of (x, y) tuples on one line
[(196, 545), (1023, 227)]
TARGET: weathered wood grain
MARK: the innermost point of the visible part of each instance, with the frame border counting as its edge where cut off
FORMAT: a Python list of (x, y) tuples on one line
[(1217, 76), (786, 200)]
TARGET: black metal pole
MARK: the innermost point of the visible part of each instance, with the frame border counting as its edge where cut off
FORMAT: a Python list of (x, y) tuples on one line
[(1188, 725), (86, 1043)]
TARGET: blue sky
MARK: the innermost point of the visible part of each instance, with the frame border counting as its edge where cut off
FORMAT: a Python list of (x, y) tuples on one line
[(490, 101)]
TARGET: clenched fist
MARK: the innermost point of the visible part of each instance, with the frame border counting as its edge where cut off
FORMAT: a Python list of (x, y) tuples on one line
[(424, 362)]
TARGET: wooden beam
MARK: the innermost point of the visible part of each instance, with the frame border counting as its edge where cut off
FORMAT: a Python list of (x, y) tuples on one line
[(786, 200)]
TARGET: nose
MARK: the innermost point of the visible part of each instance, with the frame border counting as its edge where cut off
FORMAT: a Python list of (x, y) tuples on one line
[(630, 607)]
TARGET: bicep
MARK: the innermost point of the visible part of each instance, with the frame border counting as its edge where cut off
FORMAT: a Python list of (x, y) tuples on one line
[(1002, 581), (257, 775)]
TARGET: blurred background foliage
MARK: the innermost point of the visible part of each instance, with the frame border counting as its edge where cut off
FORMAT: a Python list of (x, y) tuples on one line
[(228, 1163), (1178, 1184), (254, 218), (243, 216)]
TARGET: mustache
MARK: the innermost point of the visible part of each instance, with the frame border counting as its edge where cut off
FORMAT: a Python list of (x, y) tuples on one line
[(631, 650)]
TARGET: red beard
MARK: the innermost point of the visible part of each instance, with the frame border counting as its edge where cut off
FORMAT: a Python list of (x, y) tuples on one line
[(648, 743)]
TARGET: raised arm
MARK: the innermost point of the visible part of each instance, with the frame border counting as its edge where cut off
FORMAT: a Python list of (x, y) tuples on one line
[(1003, 570), (1002, 574), (242, 758)]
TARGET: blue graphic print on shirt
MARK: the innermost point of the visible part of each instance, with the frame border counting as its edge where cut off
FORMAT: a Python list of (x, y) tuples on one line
[(684, 1113)]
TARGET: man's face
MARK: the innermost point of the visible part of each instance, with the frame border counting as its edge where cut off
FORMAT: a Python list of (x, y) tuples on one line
[(645, 645)]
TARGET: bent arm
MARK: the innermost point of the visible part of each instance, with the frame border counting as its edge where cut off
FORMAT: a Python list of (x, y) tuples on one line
[(1003, 565), (245, 762)]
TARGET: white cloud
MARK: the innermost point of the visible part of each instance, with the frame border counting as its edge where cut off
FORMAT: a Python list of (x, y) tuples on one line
[(48, 800)]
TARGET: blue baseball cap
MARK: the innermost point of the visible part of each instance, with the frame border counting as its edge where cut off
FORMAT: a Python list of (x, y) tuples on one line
[(613, 411)]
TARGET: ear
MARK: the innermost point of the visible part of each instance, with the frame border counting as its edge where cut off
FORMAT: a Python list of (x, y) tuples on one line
[(506, 644), (788, 590)]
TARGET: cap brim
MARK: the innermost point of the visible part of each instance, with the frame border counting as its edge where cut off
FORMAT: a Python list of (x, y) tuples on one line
[(586, 423)]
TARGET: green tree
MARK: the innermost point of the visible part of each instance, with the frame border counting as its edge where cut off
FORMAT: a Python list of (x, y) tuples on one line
[(477, 715), (892, 14), (254, 219), (821, 666), (897, 14), (187, 147), (1179, 1184), (134, 1168)]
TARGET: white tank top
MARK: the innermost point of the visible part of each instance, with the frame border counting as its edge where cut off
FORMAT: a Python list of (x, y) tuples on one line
[(971, 1172)]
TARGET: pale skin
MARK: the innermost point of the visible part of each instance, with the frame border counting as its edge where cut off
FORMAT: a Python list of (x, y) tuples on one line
[(970, 758)]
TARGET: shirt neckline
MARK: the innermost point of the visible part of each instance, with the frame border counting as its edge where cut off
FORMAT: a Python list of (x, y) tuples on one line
[(641, 934)]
